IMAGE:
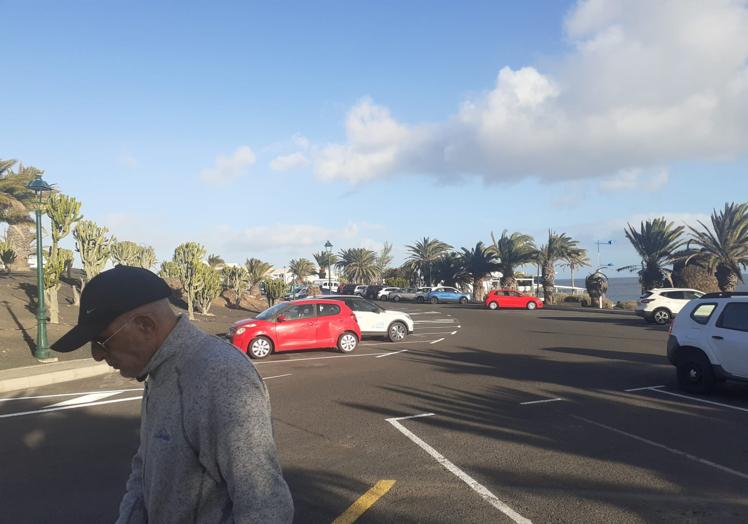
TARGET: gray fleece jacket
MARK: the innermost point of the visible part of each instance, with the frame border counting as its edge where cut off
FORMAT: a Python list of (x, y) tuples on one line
[(206, 442)]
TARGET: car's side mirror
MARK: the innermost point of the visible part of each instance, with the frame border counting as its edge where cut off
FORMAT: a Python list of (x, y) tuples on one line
[(281, 318)]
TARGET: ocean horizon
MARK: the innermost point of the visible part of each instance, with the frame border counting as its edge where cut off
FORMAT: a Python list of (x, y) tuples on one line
[(627, 288)]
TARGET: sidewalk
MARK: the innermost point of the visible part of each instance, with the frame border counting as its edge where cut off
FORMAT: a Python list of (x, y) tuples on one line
[(29, 377)]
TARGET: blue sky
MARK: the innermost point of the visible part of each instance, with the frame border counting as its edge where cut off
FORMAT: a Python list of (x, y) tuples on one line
[(263, 129)]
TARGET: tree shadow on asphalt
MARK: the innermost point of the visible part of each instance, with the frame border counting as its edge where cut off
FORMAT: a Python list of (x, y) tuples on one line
[(634, 322), (71, 466), (494, 415), (28, 339)]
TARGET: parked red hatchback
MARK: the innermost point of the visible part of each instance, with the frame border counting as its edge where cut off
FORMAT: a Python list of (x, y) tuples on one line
[(508, 298), (301, 324)]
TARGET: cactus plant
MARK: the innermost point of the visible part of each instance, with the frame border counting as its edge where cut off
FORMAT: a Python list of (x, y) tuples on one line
[(54, 267), (93, 246), (235, 278), (146, 257), (274, 289), (210, 288), (125, 252), (187, 259)]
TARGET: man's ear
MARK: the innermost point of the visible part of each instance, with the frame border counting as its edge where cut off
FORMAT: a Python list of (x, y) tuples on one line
[(145, 324)]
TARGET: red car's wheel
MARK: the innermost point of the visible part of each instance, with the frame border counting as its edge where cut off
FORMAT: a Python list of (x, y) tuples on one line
[(531, 305), (493, 305), (260, 347), (347, 342)]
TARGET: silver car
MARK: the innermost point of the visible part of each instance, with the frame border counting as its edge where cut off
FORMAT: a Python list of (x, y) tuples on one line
[(410, 293)]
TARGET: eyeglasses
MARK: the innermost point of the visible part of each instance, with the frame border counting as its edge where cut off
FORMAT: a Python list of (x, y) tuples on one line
[(101, 344)]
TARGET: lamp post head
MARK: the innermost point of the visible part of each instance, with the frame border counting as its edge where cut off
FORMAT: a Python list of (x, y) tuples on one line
[(328, 245), (38, 185)]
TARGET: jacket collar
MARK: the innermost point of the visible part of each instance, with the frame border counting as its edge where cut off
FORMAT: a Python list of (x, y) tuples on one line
[(182, 335)]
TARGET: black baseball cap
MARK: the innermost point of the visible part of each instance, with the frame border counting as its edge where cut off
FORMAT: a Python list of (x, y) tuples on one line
[(109, 295)]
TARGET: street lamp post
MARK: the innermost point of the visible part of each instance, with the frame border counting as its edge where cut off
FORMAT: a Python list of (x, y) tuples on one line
[(328, 249), (41, 352), (598, 243)]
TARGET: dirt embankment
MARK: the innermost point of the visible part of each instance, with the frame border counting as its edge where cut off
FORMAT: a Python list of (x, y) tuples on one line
[(18, 324)]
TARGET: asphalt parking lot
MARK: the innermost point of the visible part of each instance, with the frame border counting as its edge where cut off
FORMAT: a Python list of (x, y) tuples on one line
[(481, 416)]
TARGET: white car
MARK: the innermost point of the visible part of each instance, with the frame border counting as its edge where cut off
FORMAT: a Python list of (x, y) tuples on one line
[(376, 321), (661, 305), (384, 293), (708, 341), (360, 290)]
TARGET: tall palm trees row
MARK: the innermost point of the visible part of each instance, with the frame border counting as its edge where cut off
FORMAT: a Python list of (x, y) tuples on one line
[(432, 261), (711, 258)]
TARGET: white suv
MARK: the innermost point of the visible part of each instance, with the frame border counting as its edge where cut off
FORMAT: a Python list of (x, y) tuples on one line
[(661, 305), (708, 341), (374, 320)]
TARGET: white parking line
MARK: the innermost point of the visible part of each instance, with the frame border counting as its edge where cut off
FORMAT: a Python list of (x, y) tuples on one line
[(460, 474), (539, 401), (369, 344), (453, 333), (319, 358), (662, 446), (423, 313), (438, 321), (435, 341), (277, 376), (85, 399), (393, 353), (657, 389), (435, 333), (643, 388), (47, 410), (70, 394)]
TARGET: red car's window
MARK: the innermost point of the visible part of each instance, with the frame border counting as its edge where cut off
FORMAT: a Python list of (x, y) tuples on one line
[(327, 310), (300, 311)]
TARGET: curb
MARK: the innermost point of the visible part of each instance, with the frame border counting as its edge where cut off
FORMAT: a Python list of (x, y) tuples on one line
[(590, 310), (29, 377)]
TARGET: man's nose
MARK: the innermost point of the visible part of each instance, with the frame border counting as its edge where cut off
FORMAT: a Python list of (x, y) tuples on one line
[(96, 352)]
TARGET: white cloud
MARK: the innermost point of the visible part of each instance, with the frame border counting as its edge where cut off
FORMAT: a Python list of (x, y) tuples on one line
[(129, 161), (646, 84), (302, 238), (229, 168), (635, 180), (288, 162)]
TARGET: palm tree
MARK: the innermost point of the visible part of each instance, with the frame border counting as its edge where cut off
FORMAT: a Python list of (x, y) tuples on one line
[(324, 260), (478, 263), (257, 271), (577, 258), (301, 268), (358, 264), (424, 253), (656, 242), (383, 261), (216, 262), (513, 250), (447, 269), (558, 248), (16, 204), (726, 244)]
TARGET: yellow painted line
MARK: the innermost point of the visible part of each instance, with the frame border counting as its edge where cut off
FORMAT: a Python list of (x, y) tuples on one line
[(364, 502)]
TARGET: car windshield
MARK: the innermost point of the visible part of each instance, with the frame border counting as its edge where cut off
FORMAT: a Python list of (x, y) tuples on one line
[(271, 311)]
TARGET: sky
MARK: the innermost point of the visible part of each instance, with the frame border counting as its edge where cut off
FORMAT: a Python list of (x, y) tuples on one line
[(264, 129)]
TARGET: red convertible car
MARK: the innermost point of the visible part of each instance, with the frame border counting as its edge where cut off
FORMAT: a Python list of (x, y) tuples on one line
[(508, 298)]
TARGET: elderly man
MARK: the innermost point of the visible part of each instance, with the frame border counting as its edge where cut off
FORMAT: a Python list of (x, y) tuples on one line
[(206, 449)]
